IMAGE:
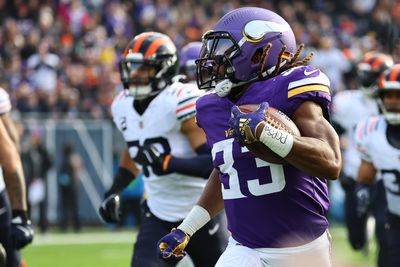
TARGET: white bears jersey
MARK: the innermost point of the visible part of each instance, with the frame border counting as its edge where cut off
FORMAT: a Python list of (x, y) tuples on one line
[(348, 108), (170, 197), (5, 106), (374, 147)]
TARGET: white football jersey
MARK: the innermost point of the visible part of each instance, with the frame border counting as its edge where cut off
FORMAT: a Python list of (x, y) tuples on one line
[(5, 106), (350, 107), (374, 147), (170, 197)]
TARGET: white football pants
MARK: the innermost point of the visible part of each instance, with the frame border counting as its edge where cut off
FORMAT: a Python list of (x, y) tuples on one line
[(314, 254)]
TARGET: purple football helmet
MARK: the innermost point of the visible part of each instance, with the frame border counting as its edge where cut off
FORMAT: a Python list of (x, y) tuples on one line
[(187, 58), (227, 56)]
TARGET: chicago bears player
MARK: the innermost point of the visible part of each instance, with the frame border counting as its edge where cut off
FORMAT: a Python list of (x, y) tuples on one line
[(378, 140), (187, 58), (360, 104), (276, 213), (157, 121), (15, 227)]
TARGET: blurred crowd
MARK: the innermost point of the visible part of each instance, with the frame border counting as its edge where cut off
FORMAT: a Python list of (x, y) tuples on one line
[(60, 57)]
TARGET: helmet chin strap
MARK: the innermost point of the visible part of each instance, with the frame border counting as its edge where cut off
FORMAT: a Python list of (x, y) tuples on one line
[(224, 87), (368, 91), (391, 117), (140, 92)]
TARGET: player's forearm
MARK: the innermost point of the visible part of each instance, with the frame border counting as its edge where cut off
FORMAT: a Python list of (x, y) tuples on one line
[(122, 178), (16, 189), (315, 157), (209, 205), (199, 166), (211, 198), (125, 174), (311, 155), (11, 130), (14, 178)]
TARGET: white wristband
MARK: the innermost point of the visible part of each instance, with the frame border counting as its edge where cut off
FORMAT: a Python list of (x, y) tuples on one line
[(196, 219), (277, 140)]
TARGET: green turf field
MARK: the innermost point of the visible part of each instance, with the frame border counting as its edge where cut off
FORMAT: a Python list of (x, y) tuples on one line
[(90, 249), (103, 249)]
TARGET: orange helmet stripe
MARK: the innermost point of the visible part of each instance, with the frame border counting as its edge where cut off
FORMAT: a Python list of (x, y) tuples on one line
[(381, 81), (376, 62), (154, 46), (139, 41), (394, 73)]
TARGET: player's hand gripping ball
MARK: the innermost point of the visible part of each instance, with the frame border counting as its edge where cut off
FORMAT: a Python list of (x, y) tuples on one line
[(245, 120)]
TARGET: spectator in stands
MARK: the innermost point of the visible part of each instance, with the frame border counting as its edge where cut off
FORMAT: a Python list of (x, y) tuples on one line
[(72, 24), (44, 67)]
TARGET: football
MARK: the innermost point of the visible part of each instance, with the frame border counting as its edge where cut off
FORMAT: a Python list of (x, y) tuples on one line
[(277, 119)]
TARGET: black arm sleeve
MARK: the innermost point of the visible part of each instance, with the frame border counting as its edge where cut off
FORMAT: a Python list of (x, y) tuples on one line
[(199, 166), (122, 178)]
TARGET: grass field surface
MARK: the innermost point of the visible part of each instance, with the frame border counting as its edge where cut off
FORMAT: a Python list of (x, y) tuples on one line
[(102, 248)]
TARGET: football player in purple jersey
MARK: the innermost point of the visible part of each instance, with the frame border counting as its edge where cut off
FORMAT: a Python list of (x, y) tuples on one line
[(276, 212)]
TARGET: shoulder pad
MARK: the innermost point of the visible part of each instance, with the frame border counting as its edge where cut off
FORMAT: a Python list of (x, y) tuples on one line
[(186, 96), (118, 100), (205, 104), (300, 84), (307, 79)]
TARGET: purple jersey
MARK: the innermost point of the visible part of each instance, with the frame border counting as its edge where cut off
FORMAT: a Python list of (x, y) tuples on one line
[(267, 205)]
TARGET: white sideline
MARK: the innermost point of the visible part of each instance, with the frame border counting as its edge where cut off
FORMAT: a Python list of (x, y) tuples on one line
[(52, 239)]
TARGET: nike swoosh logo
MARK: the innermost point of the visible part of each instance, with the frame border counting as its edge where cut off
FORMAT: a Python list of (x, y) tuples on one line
[(3, 210), (213, 230), (309, 72)]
